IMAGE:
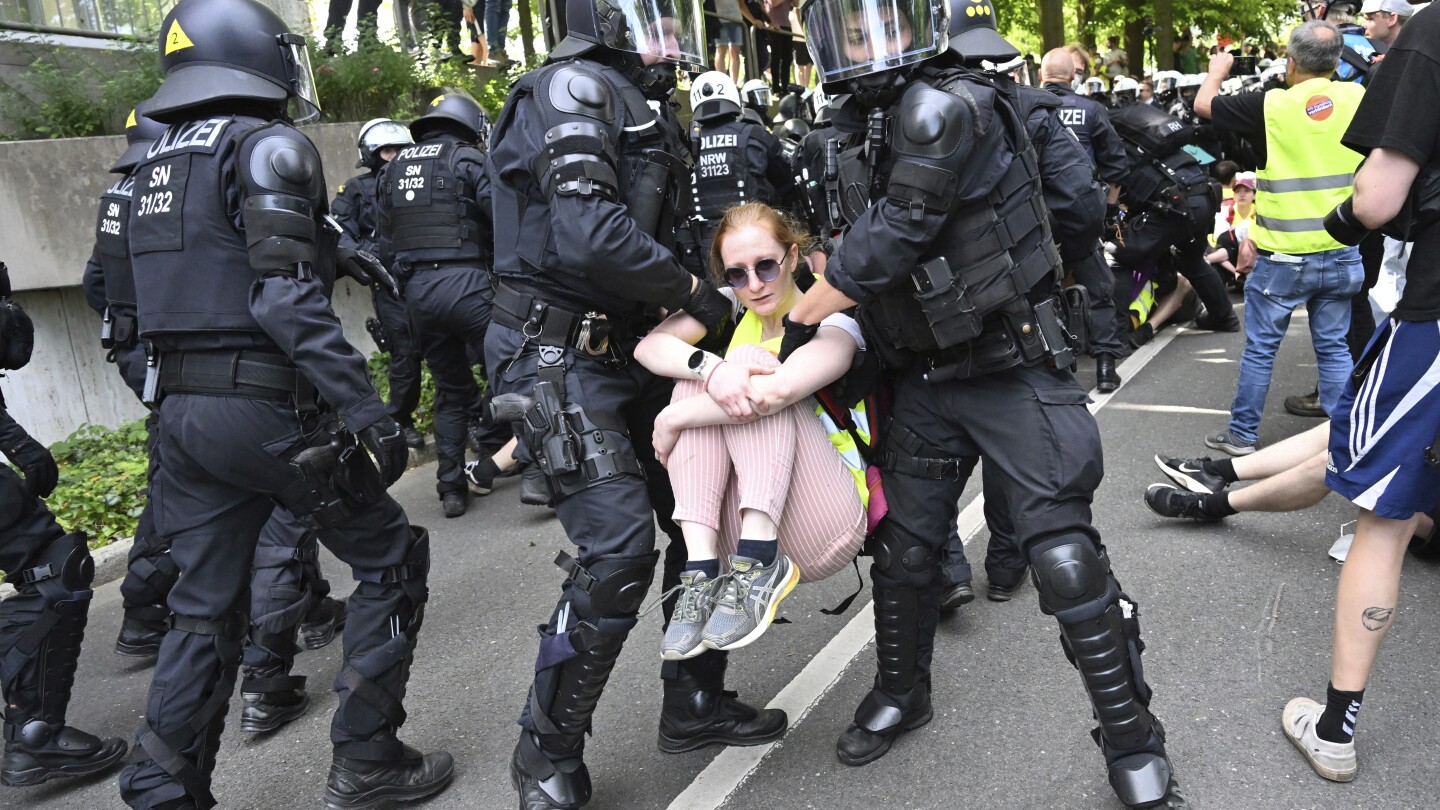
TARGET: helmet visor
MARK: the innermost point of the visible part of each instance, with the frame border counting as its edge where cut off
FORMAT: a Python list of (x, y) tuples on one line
[(304, 100), (662, 30), (853, 38)]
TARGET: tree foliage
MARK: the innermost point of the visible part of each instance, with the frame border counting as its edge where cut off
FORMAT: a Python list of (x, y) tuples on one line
[(1258, 21)]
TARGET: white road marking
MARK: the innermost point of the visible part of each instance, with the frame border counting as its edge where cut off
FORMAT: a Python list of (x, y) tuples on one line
[(729, 770), (1129, 406)]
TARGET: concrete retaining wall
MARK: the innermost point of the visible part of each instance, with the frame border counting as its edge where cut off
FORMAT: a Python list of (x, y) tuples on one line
[(48, 197)]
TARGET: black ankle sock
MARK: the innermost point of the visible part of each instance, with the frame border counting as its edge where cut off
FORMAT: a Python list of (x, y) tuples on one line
[(762, 550), (487, 469), (711, 567), (1223, 467), (1216, 505), (1337, 723)]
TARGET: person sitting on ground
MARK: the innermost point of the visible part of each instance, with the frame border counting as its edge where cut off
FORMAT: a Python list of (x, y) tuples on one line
[(1232, 227), (1290, 476), (755, 474)]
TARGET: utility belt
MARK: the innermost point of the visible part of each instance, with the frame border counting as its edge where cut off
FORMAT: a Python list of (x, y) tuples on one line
[(593, 333), (240, 373), (1052, 332), (119, 329), (441, 264)]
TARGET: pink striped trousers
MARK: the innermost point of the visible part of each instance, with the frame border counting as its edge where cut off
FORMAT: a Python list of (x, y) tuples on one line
[(782, 465)]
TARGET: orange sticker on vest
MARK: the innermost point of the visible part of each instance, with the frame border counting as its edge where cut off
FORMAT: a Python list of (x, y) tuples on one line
[(1319, 107)]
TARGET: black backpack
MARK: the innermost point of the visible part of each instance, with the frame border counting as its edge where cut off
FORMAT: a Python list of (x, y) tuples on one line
[(1164, 176), (17, 331)]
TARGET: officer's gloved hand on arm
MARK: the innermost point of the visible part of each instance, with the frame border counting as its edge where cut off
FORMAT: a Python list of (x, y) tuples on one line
[(386, 444), (33, 459), (1343, 226), (708, 306), (366, 269), (796, 335)]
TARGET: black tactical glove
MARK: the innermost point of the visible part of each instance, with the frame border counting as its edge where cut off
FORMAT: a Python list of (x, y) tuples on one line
[(709, 307), (366, 269), (796, 335), (386, 443), (1343, 226), (35, 461)]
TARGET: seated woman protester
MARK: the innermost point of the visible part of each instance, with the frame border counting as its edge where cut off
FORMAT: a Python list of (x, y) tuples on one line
[(757, 475)]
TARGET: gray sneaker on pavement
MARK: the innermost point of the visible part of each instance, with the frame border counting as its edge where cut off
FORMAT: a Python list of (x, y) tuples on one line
[(1334, 761), (684, 638), (1225, 442), (749, 597)]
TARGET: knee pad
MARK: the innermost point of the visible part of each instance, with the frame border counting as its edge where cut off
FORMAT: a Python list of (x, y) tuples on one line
[(903, 557), (152, 572), (62, 572), (1073, 578), (610, 587)]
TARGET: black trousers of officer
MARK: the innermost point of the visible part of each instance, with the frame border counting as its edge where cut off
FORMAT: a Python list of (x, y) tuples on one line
[(285, 584), (37, 670), (1094, 274), (450, 309), (1004, 561), (149, 571), (222, 462), (405, 356), (611, 523), (1188, 258), (1031, 426), (340, 9)]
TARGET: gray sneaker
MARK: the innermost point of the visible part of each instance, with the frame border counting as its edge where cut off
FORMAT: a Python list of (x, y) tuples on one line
[(1334, 761), (1225, 442), (684, 637), (750, 596)]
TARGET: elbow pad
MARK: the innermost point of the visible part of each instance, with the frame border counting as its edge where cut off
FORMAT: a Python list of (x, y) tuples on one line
[(578, 161), (280, 174), (1343, 226), (934, 127)]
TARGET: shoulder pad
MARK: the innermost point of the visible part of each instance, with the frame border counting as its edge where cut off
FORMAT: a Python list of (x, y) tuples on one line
[(572, 90), (279, 159), (933, 123), (1039, 98)]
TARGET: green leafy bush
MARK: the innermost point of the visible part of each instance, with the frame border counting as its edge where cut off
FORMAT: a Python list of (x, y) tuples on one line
[(72, 93), (102, 481)]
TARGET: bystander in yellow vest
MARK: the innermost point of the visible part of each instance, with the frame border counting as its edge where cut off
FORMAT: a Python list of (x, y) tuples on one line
[(1308, 171)]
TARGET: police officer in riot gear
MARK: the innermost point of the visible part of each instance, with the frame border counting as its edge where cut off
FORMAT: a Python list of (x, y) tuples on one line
[(735, 162), (1076, 201), (354, 208), (288, 589), (434, 221), (957, 274), (756, 96), (109, 285), (42, 624), (260, 401), (588, 185)]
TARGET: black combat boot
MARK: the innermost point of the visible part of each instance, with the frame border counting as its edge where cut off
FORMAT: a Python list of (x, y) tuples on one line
[(900, 699), (697, 711), (455, 503), (1107, 379), (270, 702), (534, 490), (880, 719), (561, 783), (360, 783), (36, 752), (142, 631), (322, 622)]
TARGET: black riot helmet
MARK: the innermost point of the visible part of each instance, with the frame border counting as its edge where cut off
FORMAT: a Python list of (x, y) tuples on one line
[(794, 129), (140, 131), (453, 111), (668, 30), (214, 50), (974, 34), (862, 46)]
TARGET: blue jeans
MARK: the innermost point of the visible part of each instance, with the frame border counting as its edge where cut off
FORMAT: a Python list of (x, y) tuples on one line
[(1323, 282), (497, 22)]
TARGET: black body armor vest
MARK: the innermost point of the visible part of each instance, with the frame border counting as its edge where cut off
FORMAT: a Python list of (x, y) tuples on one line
[(722, 175), (112, 240), (433, 213), (191, 260)]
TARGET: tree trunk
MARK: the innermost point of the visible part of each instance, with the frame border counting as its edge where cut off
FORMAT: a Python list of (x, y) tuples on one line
[(1135, 37), (1084, 16), (1165, 35), (1052, 23), (527, 30)]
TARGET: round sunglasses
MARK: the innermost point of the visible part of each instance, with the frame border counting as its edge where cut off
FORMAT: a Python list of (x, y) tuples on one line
[(766, 270)]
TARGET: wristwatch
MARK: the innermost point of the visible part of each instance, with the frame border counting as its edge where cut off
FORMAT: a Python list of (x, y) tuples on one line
[(701, 363)]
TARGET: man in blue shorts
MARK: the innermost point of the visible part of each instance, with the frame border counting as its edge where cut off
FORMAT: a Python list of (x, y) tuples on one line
[(1384, 428)]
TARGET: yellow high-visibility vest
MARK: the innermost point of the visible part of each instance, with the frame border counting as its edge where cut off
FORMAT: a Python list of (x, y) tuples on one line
[(747, 333), (1308, 171)]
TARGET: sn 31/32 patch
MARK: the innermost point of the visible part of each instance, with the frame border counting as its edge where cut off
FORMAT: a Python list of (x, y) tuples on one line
[(157, 206)]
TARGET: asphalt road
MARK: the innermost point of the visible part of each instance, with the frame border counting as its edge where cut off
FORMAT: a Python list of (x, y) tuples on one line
[(1236, 616)]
